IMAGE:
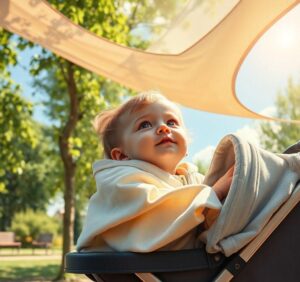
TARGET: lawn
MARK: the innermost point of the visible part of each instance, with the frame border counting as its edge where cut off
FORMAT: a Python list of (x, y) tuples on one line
[(24, 266), (28, 270)]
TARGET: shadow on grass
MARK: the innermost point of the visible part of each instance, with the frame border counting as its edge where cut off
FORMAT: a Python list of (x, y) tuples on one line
[(29, 273)]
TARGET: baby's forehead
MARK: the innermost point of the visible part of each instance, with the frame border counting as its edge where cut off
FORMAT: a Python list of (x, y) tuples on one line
[(164, 106), (129, 118)]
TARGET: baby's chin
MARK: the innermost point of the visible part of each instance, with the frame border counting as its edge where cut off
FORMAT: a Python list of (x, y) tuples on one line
[(168, 166)]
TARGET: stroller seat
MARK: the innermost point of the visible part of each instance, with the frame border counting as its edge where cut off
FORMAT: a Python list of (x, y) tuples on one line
[(273, 256), (275, 259)]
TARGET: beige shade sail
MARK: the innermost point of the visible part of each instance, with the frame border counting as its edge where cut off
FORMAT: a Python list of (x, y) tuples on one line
[(201, 76), (196, 20)]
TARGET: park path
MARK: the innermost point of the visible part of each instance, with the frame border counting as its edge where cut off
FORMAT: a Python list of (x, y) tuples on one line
[(27, 254), (29, 257)]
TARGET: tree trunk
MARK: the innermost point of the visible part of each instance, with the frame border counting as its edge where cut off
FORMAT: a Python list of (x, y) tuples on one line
[(8, 207), (5, 215), (69, 214), (69, 165)]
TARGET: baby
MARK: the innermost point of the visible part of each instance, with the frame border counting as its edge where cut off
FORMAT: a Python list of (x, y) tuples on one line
[(147, 200)]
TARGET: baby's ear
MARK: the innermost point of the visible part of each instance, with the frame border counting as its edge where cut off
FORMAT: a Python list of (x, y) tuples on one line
[(117, 154)]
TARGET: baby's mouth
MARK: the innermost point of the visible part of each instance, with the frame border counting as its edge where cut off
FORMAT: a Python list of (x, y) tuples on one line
[(165, 140)]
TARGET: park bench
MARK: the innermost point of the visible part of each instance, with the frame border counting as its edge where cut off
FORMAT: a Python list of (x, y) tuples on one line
[(44, 240), (7, 240)]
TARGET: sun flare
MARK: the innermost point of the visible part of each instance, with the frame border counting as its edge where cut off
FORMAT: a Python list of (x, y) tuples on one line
[(286, 37)]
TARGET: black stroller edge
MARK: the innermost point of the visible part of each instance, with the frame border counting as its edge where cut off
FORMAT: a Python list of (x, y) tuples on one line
[(124, 262), (122, 266)]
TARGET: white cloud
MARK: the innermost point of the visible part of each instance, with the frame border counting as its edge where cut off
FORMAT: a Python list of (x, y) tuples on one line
[(268, 111), (249, 133), (204, 156)]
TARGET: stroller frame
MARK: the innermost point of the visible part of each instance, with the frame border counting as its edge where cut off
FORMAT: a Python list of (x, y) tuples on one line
[(272, 256)]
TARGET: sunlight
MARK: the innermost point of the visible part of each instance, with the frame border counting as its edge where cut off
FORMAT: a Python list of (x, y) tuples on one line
[(274, 59), (286, 36)]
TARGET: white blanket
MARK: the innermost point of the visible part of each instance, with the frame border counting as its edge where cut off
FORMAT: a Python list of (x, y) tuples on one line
[(262, 182)]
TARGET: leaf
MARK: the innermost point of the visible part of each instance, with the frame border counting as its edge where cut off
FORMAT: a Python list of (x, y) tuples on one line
[(3, 189)]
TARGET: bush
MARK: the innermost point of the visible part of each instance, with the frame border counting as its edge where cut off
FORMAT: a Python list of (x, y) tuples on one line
[(57, 242), (29, 225)]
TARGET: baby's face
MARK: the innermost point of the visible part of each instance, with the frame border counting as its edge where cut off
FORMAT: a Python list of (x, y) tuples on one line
[(155, 134)]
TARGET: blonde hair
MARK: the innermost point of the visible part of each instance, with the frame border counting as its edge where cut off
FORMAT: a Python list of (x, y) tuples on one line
[(107, 123)]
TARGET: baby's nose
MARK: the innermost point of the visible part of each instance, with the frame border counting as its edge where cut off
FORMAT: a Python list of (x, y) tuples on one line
[(163, 129)]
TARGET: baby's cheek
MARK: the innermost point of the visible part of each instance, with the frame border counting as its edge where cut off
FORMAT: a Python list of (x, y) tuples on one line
[(142, 147), (184, 144)]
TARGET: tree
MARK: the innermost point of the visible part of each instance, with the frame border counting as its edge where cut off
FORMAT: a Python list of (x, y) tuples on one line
[(25, 171), (9, 103), (19, 145), (23, 165), (278, 136)]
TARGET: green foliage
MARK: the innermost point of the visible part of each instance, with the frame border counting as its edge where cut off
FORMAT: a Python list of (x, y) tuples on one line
[(278, 136), (202, 168), (17, 131), (103, 18), (8, 54), (30, 224), (25, 166)]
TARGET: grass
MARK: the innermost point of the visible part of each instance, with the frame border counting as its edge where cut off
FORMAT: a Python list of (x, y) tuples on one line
[(29, 270), (23, 266)]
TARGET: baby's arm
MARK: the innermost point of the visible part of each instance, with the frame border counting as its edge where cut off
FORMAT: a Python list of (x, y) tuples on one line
[(221, 187)]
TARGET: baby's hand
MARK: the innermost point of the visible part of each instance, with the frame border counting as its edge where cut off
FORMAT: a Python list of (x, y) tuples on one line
[(221, 187)]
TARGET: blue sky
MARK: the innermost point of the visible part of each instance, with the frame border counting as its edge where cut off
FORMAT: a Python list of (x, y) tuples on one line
[(265, 71)]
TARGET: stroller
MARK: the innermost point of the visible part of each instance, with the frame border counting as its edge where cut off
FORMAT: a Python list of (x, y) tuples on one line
[(273, 255)]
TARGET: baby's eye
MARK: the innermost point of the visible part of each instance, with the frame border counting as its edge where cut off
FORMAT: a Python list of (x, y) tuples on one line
[(172, 122), (145, 124)]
